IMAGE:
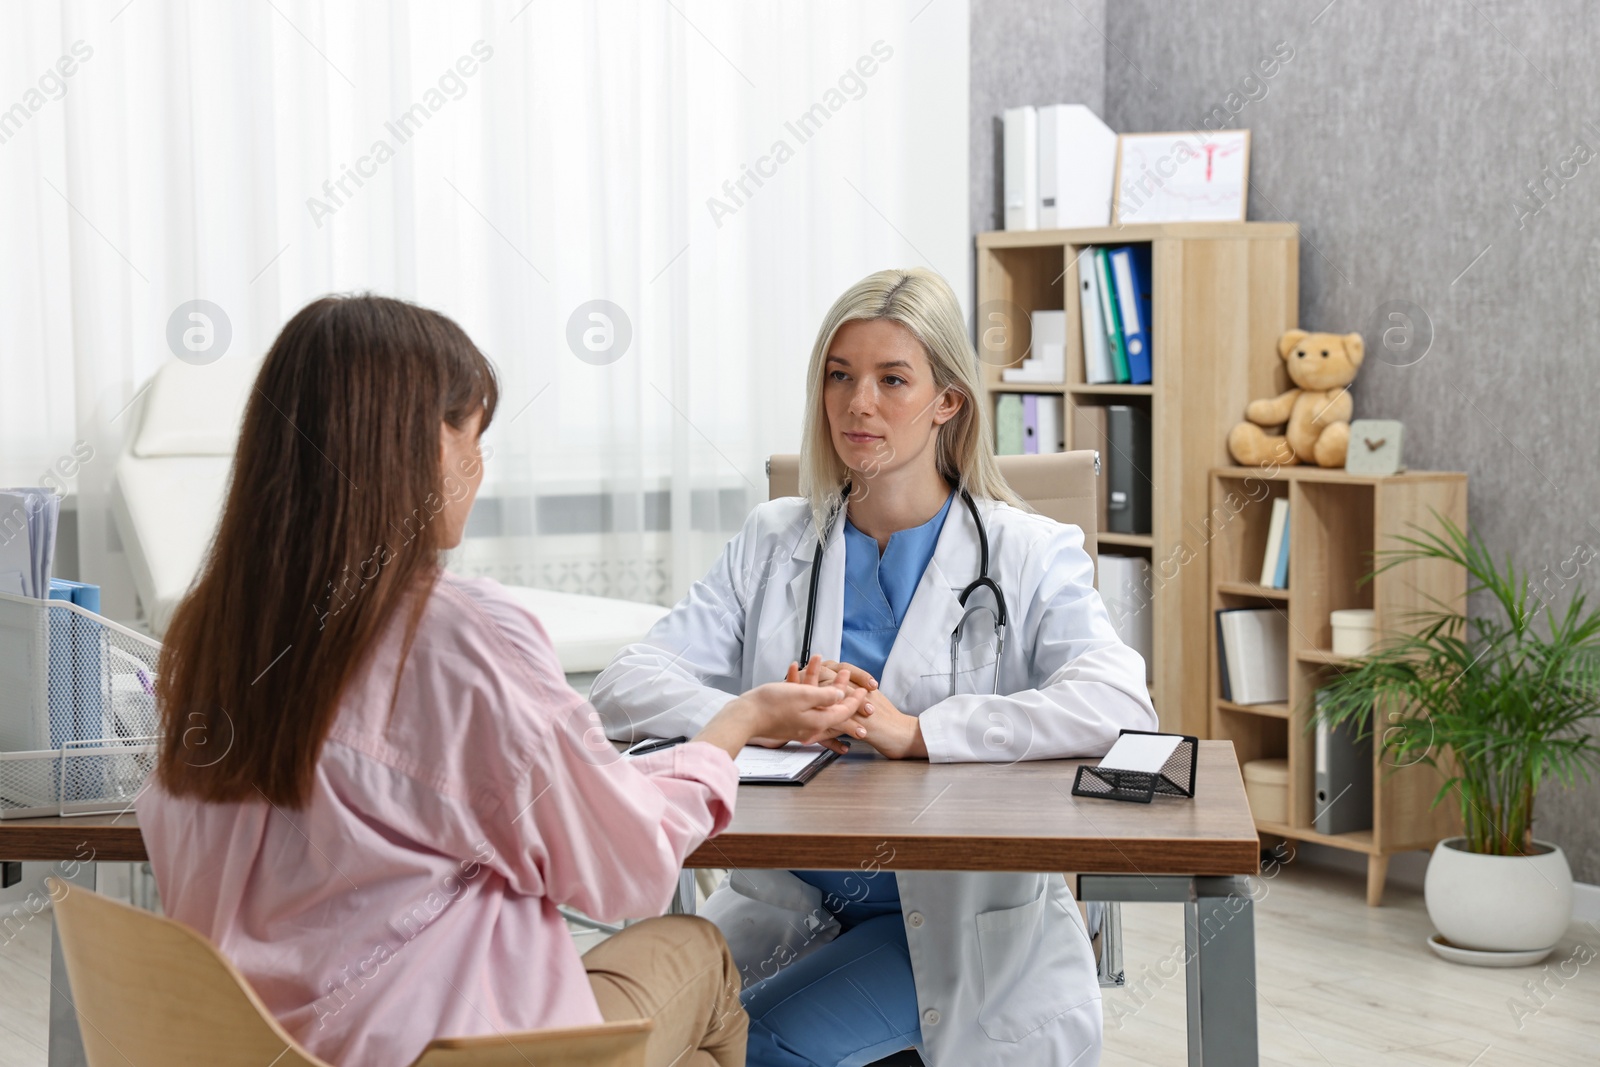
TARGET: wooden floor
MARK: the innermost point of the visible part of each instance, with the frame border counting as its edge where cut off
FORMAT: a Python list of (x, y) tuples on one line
[(1339, 983)]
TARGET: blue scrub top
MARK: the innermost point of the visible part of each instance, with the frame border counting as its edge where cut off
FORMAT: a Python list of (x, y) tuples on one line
[(877, 595)]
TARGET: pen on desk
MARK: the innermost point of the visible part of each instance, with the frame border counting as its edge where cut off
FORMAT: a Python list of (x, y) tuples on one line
[(653, 744)]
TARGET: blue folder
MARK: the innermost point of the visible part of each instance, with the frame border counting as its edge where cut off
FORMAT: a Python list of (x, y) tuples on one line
[(1130, 271)]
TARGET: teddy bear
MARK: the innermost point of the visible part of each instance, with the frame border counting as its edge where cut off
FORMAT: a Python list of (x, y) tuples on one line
[(1317, 409)]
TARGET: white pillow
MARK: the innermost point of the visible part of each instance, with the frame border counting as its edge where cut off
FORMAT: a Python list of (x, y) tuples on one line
[(194, 410)]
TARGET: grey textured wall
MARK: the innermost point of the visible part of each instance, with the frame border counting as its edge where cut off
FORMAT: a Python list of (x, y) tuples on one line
[(1027, 52), (1407, 140), (1403, 139)]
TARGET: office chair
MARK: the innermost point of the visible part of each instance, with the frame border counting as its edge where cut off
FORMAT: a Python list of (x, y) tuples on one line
[(150, 990)]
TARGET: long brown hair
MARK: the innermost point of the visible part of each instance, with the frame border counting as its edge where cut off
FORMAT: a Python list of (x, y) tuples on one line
[(325, 532)]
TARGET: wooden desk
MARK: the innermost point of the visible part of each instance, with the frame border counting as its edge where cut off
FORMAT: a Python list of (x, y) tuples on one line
[(987, 817), (913, 815), (947, 816), (97, 838)]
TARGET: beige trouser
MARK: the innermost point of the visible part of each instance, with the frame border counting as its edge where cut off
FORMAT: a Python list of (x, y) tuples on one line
[(676, 970)]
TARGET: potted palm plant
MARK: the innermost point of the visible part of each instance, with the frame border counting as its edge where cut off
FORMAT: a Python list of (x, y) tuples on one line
[(1499, 704)]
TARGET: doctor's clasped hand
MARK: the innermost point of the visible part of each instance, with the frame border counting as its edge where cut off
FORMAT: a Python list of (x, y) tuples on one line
[(879, 723)]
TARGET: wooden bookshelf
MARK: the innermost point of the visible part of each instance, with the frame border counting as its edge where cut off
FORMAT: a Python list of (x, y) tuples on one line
[(1336, 522), (1222, 295)]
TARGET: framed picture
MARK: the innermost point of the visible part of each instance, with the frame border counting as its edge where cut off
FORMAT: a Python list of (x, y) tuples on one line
[(1199, 176)]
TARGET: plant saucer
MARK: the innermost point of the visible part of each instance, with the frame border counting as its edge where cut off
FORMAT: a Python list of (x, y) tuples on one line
[(1474, 957)]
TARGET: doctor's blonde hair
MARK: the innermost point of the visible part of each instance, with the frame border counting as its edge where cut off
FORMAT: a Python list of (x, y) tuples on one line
[(923, 302)]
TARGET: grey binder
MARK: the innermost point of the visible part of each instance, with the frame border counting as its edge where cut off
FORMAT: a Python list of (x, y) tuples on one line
[(1343, 801), (1127, 469)]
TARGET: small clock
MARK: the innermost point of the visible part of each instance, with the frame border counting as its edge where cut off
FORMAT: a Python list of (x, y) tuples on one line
[(1374, 447)]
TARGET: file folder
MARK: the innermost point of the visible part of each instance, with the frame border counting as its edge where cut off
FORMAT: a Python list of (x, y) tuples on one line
[(1128, 470), (1097, 369), (1021, 152), (1130, 272), (1343, 778), (1110, 318)]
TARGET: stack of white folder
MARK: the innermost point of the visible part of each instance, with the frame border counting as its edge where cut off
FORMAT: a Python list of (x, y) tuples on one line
[(1060, 163)]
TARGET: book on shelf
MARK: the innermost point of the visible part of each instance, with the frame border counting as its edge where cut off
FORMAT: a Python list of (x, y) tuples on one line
[(1275, 558), (1253, 655), (1127, 467), (1125, 588)]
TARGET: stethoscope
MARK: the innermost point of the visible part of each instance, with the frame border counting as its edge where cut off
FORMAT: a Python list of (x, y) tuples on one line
[(981, 581)]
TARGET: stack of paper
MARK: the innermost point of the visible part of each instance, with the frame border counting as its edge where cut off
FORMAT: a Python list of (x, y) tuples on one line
[(28, 518)]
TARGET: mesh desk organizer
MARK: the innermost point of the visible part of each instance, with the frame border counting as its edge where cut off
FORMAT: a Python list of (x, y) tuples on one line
[(77, 710), (1174, 778)]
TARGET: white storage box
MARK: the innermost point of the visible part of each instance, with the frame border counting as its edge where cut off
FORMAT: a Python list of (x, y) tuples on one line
[(1353, 630), (78, 720)]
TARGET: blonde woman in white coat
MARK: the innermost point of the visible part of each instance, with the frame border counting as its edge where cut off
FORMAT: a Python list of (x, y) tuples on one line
[(972, 968)]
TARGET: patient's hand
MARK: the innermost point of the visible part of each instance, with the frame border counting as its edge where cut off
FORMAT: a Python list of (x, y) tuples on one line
[(778, 712)]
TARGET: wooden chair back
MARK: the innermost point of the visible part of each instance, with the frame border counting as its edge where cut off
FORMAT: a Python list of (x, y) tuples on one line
[(151, 990)]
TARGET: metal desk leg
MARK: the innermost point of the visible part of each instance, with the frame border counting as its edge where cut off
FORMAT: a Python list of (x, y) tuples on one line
[(65, 1042), (686, 902), (1219, 930), (1220, 939)]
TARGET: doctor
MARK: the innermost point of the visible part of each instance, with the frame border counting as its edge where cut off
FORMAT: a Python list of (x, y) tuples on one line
[(971, 968)]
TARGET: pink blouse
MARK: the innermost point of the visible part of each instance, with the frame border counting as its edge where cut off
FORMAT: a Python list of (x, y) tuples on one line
[(415, 895)]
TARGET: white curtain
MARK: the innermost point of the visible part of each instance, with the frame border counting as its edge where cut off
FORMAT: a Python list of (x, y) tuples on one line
[(716, 173)]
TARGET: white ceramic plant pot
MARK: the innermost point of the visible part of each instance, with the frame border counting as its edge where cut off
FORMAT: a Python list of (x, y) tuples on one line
[(1498, 903)]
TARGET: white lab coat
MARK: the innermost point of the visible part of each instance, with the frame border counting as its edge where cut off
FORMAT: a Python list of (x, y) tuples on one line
[(1004, 970)]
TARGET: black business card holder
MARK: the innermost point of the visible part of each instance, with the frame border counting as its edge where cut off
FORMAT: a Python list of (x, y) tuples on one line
[(1175, 779)]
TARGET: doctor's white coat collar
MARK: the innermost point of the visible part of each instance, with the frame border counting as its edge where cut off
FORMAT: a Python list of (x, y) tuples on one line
[(922, 646)]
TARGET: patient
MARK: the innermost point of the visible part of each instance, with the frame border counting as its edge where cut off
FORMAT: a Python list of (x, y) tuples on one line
[(375, 786)]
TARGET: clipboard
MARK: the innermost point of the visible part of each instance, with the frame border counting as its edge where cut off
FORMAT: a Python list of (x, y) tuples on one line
[(1141, 769), (753, 760)]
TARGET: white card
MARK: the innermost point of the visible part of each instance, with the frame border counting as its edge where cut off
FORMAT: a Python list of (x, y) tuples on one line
[(1141, 752)]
